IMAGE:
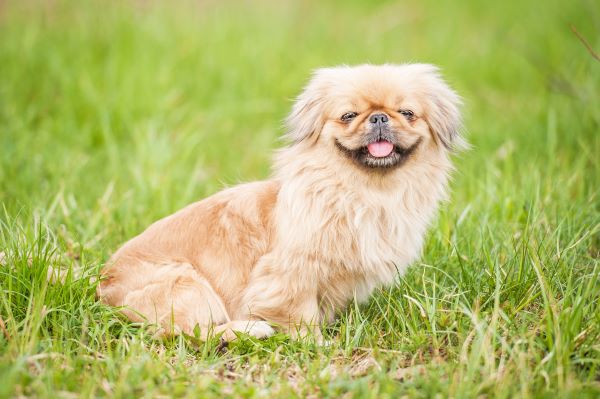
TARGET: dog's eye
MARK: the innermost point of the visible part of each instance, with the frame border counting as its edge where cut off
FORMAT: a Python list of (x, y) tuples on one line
[(408, 114), (348, 116)]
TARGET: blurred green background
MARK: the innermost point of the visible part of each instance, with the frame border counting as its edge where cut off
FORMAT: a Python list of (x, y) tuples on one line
[(167, 100), (116, 113)]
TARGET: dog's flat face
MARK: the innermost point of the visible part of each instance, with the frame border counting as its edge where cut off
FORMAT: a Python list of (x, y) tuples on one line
[(376, 125), (377, 116)]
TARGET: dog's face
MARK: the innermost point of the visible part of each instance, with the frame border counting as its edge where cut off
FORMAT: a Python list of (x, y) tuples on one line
[(377, 116)]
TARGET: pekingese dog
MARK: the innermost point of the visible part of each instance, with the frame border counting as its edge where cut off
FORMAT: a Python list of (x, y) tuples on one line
[(346, 210)]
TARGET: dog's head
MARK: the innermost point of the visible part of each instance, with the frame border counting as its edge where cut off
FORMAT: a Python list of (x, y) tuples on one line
[(378, 116)]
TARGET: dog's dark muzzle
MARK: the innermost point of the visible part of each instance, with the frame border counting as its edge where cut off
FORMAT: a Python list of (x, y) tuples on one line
[(379, 129)]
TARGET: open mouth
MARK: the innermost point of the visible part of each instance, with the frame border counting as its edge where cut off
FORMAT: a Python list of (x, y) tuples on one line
[(380, 154), (380, 149)]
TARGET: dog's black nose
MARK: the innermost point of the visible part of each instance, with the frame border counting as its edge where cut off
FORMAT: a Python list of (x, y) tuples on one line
[(378, 119)]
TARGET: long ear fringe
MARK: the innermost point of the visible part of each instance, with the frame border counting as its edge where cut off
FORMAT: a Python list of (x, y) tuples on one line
[(445, 118), (304, 122), (306, 119)]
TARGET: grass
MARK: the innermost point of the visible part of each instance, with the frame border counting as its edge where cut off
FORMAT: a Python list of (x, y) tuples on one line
[(113, 114)]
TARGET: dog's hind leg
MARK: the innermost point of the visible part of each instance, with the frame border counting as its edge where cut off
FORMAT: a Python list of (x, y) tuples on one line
[(176, 298)]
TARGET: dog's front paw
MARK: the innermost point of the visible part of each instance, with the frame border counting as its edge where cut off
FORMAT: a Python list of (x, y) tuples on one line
[(308, 333), (255, 328), (259, 329)]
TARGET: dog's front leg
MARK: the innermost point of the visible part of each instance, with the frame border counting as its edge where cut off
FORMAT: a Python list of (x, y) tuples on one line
[(285, 294), (305, 318)]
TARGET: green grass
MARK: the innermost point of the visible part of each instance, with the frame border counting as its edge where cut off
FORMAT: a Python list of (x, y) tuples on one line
[(114, 114)]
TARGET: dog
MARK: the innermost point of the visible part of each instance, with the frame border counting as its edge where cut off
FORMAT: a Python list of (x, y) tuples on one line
[(367, 162)]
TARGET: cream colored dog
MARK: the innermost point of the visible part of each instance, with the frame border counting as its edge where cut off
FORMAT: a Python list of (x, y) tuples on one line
[(345, 211)]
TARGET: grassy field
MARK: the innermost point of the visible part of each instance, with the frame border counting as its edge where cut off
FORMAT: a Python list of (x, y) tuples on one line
[(113, 114)]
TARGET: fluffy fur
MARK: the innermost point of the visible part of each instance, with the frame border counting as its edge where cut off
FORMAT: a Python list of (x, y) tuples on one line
[(333, 222)]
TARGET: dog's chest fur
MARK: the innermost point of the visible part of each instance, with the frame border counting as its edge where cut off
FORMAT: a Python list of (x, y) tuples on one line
[(358, 237)]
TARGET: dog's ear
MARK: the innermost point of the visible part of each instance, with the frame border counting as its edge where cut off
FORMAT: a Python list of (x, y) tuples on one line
[(306, 119), (443, 114)]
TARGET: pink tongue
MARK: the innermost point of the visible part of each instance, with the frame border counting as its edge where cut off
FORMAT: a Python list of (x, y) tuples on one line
[(380, 149)]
